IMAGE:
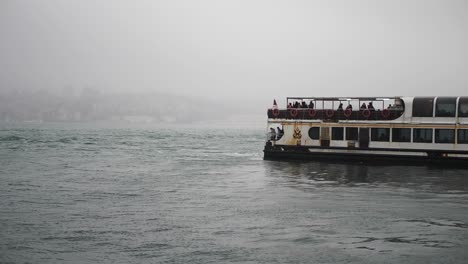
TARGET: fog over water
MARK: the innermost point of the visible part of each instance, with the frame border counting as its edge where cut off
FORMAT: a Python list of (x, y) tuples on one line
[(236, 53), (132, 131)]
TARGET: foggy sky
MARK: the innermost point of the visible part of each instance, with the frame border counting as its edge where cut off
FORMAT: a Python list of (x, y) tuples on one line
[(228, 50)]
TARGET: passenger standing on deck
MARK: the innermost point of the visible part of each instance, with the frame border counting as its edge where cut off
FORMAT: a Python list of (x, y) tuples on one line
[(311, 104), (370, 107), (275, 106), (272, 134), (290, 105), (303, 105), (350, 107), (363, 106), (280, 133), (340, 107)]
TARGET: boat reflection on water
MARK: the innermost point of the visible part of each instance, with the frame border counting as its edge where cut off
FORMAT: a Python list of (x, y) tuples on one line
[(347, 174)]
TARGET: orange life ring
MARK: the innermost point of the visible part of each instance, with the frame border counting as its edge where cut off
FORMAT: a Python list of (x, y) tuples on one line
[(385, 113), (275, 112), (348, 112), (366, 113), (293, 112), (329, 113), (312, 112)]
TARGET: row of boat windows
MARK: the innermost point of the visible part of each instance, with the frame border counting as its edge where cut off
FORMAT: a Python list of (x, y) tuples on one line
[(420, 135), (444, 107)]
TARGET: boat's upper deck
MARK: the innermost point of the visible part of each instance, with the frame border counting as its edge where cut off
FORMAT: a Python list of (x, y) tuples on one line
[(335, 108)]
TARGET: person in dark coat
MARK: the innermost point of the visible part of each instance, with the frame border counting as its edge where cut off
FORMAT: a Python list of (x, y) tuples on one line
[(340, 107), (279, 133), (272, 134)]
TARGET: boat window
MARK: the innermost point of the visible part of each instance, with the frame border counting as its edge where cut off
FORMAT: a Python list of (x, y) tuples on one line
[(380, 134), (422, 135), (401, 134), (337, 133), (423, 106), (446, 106), (463, 136), (445, 136), (314, 132), (463, 107), (351, 133)]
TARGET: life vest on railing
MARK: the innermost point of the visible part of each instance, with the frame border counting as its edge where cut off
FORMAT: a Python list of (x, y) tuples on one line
[(329, 113), (275, 112), (312, 112), (385, 113), (348, 112), (293, 112), (366, 113)]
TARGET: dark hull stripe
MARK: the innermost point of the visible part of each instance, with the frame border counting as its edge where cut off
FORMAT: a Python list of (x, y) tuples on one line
[(305, 148), (371, 159)]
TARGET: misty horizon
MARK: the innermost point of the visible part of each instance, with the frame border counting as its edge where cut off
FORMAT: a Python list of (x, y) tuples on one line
[(236, 53)]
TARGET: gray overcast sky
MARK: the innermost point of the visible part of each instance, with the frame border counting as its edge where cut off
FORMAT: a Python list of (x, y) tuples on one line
[(234, 49)]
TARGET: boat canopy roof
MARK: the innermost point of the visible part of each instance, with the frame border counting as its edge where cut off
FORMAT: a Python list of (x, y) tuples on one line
[(345, 98)]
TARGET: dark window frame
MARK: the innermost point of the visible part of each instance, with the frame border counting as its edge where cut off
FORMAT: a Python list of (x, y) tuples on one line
[(463, 101), (352, 131), (465, 136), (397, 137), (444, 141), (312, 134), (337, 131), (446, 101), (423, 140), (423, 106), (378, 137)]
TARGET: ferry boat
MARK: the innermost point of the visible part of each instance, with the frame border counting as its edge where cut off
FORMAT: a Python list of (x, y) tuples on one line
[(399, 130)]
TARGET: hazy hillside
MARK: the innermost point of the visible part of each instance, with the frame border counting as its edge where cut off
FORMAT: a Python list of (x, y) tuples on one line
[(91, 105)]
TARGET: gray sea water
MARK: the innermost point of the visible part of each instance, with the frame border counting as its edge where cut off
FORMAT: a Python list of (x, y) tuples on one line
[(181, 195)]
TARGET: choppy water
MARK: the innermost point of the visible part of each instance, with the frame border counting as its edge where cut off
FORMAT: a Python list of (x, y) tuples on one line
[(70, 195)]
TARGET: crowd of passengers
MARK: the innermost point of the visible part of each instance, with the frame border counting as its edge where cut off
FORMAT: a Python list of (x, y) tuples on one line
[(369, 106), (301, 105)]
